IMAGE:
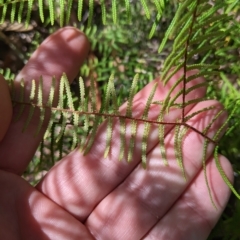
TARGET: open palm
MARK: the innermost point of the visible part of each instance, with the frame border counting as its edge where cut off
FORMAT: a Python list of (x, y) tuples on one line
[(89, 197)]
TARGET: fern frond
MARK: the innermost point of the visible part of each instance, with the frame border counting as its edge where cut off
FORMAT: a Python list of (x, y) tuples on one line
[(114, 11), (50, 104), (51, 10), (69, 10), (109, 119), (223, 174), (40, 6), (204, 160), (32, 108), (132, 93), (40, 103), (90, 17), (132, 140), (128, 11), (178, 140), (147, 125), (161, 134), (21, 99)]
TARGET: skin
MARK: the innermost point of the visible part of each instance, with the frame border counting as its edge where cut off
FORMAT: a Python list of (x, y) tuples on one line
[(89, 197)]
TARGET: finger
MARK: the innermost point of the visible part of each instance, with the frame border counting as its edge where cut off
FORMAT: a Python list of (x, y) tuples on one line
[(63, 51), (80, 182), (192, 216), (5, 108), (146, 195), (27, 214)]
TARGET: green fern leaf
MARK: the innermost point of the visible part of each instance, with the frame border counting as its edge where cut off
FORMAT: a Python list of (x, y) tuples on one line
[(40, 6), (128, 11), (62, 12), (4, 12), (13, 12), (69, 9), (29, 11), (146, 9), (90, 16), (114, 11), (51, 11), (104, 12)]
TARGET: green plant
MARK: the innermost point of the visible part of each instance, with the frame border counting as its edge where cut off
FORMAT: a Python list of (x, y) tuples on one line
[(199, 36)]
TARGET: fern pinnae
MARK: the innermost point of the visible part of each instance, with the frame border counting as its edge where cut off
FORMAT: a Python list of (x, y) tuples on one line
[(50, 104), (82, 93), (146, 9), (203, 49), (172, 25), (132, 140), (193, 101), (128, 11), (204, 159), (62, 12), (154, 26), (161, 134), (104, 12), (121, 121), (21, 99), (83, 106), (90, 16), (132, 92), (188, 117), (29, 11), (170, 62), (223, 174), (158, 7), (109, 119), (32, 108), (64, 114), (114, 11), (69, 9), (207, 128), (211, 21), (51, 11), (40, 103), (20, 11), (13, 12), (4, 12), (167, 75), (93, 95), (71, 107), (92, 135), (80, 10), (40, 6), (178, 140), (224, 125), (147, 125), (180, 92), (133, 123)]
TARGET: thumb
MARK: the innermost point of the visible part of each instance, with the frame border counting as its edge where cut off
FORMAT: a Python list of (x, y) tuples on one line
[(5, 107)]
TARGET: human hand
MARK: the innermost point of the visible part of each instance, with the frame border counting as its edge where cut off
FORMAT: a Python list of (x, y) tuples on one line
[(87, 197)]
